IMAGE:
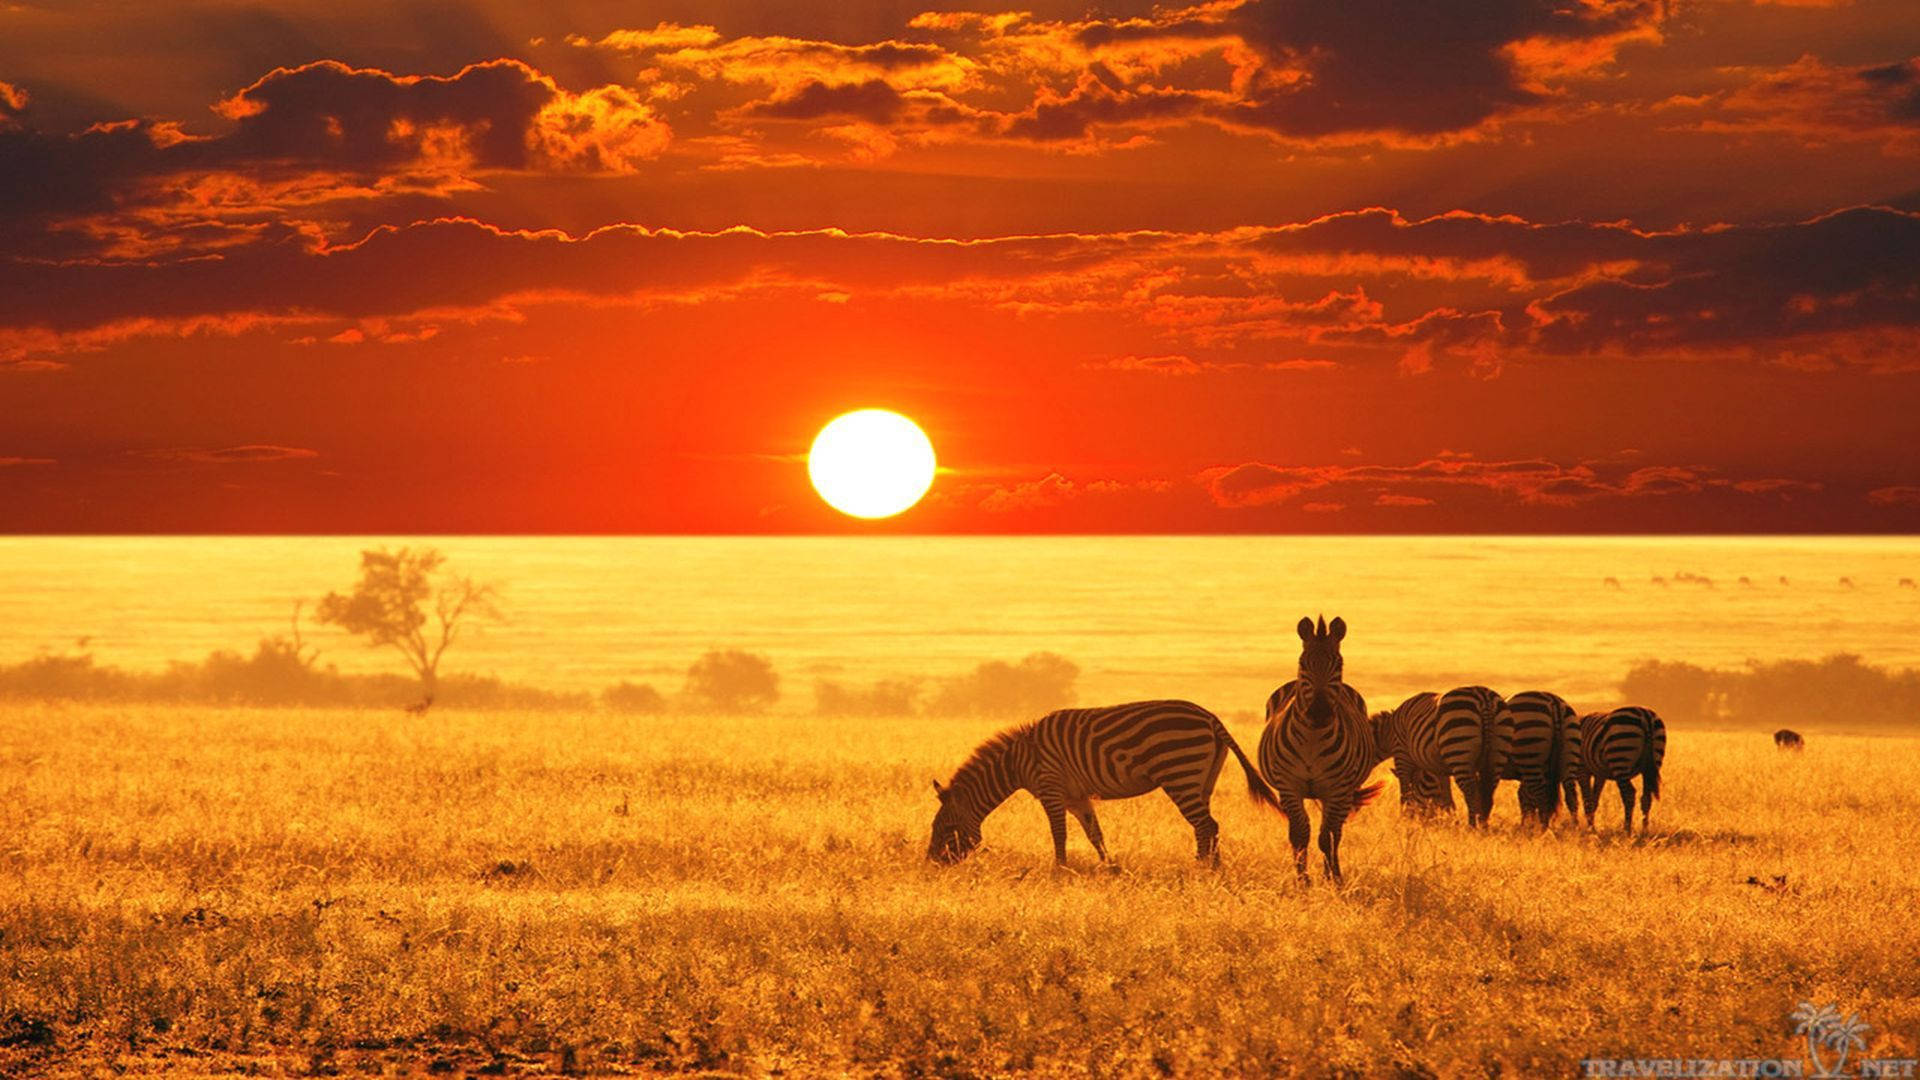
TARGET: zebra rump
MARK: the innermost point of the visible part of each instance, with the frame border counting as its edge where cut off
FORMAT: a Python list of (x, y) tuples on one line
[(1625, 744), (1476, 740), (1546, 754)]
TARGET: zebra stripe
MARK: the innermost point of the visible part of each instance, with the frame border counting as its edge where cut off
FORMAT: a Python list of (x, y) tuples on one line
[(1068, 759), (1410, 735), (1546, 754), (1319, 744), (1628, 742), (1475, 739)]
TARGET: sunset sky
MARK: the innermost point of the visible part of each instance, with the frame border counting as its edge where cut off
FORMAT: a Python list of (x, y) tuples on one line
[(1267, 266)]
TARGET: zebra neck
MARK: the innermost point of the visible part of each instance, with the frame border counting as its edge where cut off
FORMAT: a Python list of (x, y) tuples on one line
[(995, 772)]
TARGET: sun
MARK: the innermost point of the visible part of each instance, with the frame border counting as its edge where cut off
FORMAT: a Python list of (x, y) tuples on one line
[(871, 463)]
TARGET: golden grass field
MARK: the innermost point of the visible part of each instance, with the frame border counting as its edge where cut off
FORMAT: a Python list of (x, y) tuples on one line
[(287, 891)]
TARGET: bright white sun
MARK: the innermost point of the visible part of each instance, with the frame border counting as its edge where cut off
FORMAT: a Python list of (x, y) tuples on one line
[(871, 463)]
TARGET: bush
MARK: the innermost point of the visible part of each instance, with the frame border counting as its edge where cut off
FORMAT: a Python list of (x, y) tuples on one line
[(1840, 691), (888, 697), (732, 680), (633, 698), (1040, 683)]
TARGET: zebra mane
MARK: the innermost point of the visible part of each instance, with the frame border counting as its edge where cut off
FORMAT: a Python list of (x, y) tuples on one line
[(992, 749)]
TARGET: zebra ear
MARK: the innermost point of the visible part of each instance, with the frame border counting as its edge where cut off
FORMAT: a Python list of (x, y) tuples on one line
[(942, 792), (1337, 628), (1306, 628)]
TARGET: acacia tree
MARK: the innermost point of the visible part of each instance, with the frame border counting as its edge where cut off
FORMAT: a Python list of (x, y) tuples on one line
[(389, 608)]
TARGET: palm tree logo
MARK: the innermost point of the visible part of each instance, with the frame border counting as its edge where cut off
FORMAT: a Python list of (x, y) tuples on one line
[(1825, 1027)]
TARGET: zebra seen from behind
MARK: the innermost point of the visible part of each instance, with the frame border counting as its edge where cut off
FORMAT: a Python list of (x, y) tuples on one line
[(1620, 745), (1788, 739), (1473, 738), (1068, 759), (1546, 756), (1318, 744), (1408, 734)]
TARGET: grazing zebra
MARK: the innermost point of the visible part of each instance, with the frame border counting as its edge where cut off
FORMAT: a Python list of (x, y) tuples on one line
[(1788, 739), (1474, 735), (1629, 741), (1069, 758), (1319, 745), (1409, 735), (1546, 754)]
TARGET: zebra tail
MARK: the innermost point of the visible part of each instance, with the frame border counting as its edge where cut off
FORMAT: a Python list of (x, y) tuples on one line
[(1648, 770), (1488, 775), (1556, 775), (1256, 785), (1367, 794)]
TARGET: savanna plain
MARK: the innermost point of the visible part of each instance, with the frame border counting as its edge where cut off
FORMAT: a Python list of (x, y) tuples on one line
[(297, 891)]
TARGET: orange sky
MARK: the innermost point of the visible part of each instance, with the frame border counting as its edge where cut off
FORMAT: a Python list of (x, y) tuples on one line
[(1260, 266)]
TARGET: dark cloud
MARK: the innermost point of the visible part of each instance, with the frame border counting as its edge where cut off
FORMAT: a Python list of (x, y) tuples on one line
[(874, 100), (1526, 482), (1839, 290), (231, 455), (1410, 66), (1816, 102), (322, 129)]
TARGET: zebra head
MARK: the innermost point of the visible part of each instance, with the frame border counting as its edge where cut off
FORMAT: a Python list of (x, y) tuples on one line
[(1320, 666), (955, 832)]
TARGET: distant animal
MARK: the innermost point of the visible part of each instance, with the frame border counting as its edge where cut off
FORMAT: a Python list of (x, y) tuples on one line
[(1318, 744), (1407, 734), (1906, 583), (420, 707), (1069, 758), (1546, 755), (1846, 583), (1783, 579), (1611, 582), (1476, 739), (1658, 580), (1621, 745), (1747, 581), (1788, 739)]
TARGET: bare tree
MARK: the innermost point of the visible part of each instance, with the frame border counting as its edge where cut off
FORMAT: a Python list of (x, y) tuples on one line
[(389, 606)]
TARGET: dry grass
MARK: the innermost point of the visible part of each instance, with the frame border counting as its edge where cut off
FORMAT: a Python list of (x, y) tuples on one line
[(304, 891)]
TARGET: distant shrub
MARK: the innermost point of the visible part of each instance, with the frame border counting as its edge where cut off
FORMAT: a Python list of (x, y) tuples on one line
[(888, 697), (1041, 682), (1678, 691), (732, 680), (633, 698), (278, 673), (1841, 691)]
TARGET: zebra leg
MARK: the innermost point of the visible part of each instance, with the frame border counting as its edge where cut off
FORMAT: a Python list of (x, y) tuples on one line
[(1191, 797), (1333, 818), (1626, 803), (1056, 808), (1299, 831), (1470, 791), (1646, 806), (1589, 797), (1090, 825), (1570, 791)]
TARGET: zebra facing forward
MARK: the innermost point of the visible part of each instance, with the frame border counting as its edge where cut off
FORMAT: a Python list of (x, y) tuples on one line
[(1319, 745), (1409, 735), (1474, 733), (1620, 745), (1069, 758), (1546, 754)]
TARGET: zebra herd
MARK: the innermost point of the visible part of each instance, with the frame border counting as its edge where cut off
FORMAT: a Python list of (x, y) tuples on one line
[(1319, 743)]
